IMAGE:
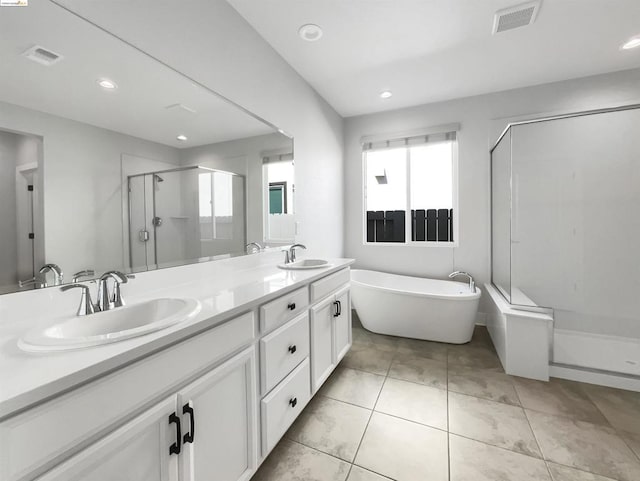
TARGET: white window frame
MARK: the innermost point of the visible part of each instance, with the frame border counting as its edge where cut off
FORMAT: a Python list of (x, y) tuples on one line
[(456, 209)]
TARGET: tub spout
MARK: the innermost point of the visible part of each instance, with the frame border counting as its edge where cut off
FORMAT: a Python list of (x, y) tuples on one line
[(472, 284)]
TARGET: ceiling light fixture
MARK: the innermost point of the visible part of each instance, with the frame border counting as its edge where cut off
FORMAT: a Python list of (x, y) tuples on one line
[(310, 32), (107, 84), (181, 138), (386, 94), (633, 42)]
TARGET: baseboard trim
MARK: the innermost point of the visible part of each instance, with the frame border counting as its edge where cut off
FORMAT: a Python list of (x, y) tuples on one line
[(595, 376)]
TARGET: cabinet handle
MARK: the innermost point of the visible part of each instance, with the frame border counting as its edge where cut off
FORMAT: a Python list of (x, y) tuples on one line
[(293, 349), (339, 308), (336, 311), (293, 402), (291, 306), (188, 437), (175, 447)]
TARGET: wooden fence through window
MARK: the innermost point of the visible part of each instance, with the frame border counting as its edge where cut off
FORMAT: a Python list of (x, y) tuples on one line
[(427, 225)]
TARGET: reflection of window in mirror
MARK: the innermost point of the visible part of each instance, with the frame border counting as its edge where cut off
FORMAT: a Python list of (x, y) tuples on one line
[(279, 198), (215, 195)]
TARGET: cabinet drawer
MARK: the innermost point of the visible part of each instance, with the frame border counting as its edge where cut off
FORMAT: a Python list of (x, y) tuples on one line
[(327, 285), (282, 350), (283, 405), (279, 311), (38, 438)]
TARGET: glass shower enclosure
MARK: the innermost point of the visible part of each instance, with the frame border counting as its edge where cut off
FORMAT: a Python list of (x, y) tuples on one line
[(185, 214), (565, 207)]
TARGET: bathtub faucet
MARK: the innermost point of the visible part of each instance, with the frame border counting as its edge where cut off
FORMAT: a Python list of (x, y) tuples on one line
[(472, 284)]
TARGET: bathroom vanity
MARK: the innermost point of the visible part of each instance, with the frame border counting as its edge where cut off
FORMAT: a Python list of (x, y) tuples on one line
[(207, 399)]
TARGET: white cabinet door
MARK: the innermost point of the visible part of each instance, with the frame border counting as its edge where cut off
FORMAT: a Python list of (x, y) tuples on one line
[(137, 451), (219, 415), (322, 358), (342, 325)]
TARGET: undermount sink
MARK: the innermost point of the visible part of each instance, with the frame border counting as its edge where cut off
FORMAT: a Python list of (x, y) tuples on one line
[(305, 264), (76, 332)]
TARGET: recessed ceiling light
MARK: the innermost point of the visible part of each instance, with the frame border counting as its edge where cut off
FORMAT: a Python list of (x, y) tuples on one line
[(633, 42), (107, 84), (181, 138), (386, 94), (310, 32)]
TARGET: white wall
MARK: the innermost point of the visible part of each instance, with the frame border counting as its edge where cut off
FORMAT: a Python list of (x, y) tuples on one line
[(213, 44), (481, 118)]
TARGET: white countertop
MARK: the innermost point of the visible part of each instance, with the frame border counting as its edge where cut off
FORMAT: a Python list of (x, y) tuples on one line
[(224, 288)]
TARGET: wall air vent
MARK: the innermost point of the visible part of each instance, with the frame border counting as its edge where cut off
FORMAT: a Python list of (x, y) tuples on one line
[(42, 55), (515, 17)]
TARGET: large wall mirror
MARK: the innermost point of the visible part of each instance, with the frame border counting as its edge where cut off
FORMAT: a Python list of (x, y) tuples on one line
[(111, 160)]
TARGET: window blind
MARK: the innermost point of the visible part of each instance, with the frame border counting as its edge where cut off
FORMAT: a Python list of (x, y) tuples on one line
[(443, 133), (267, 159)]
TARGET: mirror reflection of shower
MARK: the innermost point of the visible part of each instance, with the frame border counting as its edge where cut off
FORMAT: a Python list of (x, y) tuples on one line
[(185, 213)]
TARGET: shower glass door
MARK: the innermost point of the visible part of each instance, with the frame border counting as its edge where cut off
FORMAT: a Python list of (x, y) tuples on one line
[(565, 225), (185, 214)]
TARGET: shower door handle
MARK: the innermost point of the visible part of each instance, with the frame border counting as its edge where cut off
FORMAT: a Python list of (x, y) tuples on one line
[(143, 235)]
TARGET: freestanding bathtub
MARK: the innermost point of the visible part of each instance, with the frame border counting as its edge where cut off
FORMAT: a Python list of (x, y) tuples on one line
[(429, 309)]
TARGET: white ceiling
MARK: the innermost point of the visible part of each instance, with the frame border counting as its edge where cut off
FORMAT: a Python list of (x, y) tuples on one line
[(433, 50), (145, 87)]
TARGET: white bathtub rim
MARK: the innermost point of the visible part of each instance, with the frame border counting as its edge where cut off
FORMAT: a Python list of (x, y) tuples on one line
[(468, 297)]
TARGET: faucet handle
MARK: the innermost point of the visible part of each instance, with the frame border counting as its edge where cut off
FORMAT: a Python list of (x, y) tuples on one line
[(117, 276), (86, 306), (34, 281), (84, 273)]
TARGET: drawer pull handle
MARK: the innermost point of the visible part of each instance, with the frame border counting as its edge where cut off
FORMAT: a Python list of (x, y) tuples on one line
[(175, 447), (293, 402), (188, 437), (336, 311), (293, 349), (291, 306), (339, 308)]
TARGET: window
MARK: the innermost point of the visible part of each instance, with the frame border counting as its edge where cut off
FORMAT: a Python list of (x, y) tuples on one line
[(410, 189), (215, 198), (279, 189)]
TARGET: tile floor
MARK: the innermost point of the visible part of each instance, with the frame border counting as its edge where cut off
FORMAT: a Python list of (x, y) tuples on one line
[(411, 410)]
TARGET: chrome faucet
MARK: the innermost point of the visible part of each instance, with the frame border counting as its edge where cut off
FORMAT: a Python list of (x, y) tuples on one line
[(252, 247), (86, 306), (58, 276), (105, 301), (472, 284), (86, 273), (291, 253)]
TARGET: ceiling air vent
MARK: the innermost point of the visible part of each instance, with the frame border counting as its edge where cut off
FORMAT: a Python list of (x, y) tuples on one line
[(515, 17), (42, 55)]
